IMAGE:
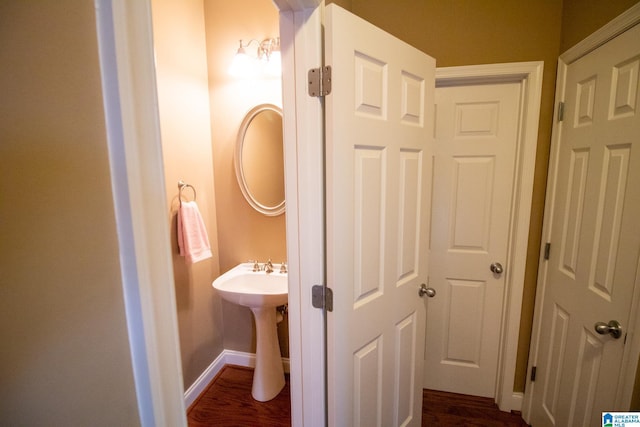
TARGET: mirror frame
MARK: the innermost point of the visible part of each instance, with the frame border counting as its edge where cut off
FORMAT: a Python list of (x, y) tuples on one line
[(242, 182)]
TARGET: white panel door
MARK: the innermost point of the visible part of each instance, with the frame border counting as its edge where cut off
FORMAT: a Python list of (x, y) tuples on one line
[(474, 164), (595, 238), (379, 135)]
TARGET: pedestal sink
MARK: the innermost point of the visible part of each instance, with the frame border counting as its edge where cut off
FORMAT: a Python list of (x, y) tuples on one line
[(262, 292)]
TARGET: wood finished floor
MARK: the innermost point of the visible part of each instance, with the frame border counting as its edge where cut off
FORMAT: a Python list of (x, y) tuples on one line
[(227, 401)]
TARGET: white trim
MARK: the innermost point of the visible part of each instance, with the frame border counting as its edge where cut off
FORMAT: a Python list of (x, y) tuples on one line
[(627, 373), (516, 401), (135, 156), (546, 233), (227, 357), (301, 41), (296, 5), (205, 378), (248, 360), (529, 75)]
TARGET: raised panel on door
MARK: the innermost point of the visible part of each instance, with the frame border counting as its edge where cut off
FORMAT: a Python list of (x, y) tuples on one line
[(367, 400), (409, 214), (404, 373), (555, 358), (465, 314), (575, 190), (470, 213), (608, 221), (368, 223), (588, 366)]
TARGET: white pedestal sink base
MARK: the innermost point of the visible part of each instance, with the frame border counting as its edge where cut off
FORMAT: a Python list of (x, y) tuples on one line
[(268, 377), (262, 292)]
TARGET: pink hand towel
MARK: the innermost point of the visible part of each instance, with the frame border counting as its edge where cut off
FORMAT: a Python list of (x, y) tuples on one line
[(192, 235)]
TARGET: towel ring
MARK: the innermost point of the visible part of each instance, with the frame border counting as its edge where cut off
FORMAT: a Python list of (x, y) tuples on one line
[(181, 186)]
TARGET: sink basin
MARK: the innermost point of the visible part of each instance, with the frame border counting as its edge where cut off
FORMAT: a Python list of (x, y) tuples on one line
[(241, 285), (262, 293)]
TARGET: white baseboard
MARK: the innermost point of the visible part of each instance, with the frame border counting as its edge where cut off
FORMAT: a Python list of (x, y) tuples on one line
[(512, 402), (227, 357), (203, 380), (516, 401)]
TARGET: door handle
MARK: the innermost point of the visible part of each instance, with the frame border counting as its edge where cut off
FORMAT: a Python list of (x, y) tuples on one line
[(613, 328), (496, 267), (424, 290)]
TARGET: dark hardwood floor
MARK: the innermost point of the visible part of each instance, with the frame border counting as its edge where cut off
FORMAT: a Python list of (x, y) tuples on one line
[(227, 401), (450, 409)]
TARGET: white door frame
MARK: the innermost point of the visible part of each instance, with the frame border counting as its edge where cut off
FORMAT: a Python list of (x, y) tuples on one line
[(125, 46), (301, 48), (529, 76), (632, 350), (125, 41)]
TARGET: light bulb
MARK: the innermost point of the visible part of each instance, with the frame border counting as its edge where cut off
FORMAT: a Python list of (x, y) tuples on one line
[(241, 65)]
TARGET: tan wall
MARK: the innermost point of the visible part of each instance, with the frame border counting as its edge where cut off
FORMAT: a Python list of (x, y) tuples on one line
[(243, 233), (201, 109), (65, 354), (183, 94), (580, 18)]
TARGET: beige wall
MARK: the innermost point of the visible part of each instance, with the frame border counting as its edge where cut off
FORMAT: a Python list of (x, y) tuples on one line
[(183, 95), (580, 18), (201, 109), (243, 233), (65, 355)]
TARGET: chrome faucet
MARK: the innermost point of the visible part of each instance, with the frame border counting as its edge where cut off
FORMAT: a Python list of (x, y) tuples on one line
[(256, 266), (268, 267), (283, 267)]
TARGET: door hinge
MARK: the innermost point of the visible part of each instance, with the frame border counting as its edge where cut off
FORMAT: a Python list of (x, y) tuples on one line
[(322, 297), (560, 111), (320, 81), (533, 373), (547, 250)]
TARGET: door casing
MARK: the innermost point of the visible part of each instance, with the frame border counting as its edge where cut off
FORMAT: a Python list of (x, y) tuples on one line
[(632, 350)]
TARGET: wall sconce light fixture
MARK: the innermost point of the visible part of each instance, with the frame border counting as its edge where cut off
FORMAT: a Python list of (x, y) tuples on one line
[(267, 60)]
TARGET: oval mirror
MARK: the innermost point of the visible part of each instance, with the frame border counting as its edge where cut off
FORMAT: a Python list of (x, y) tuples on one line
[(259, 159)]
